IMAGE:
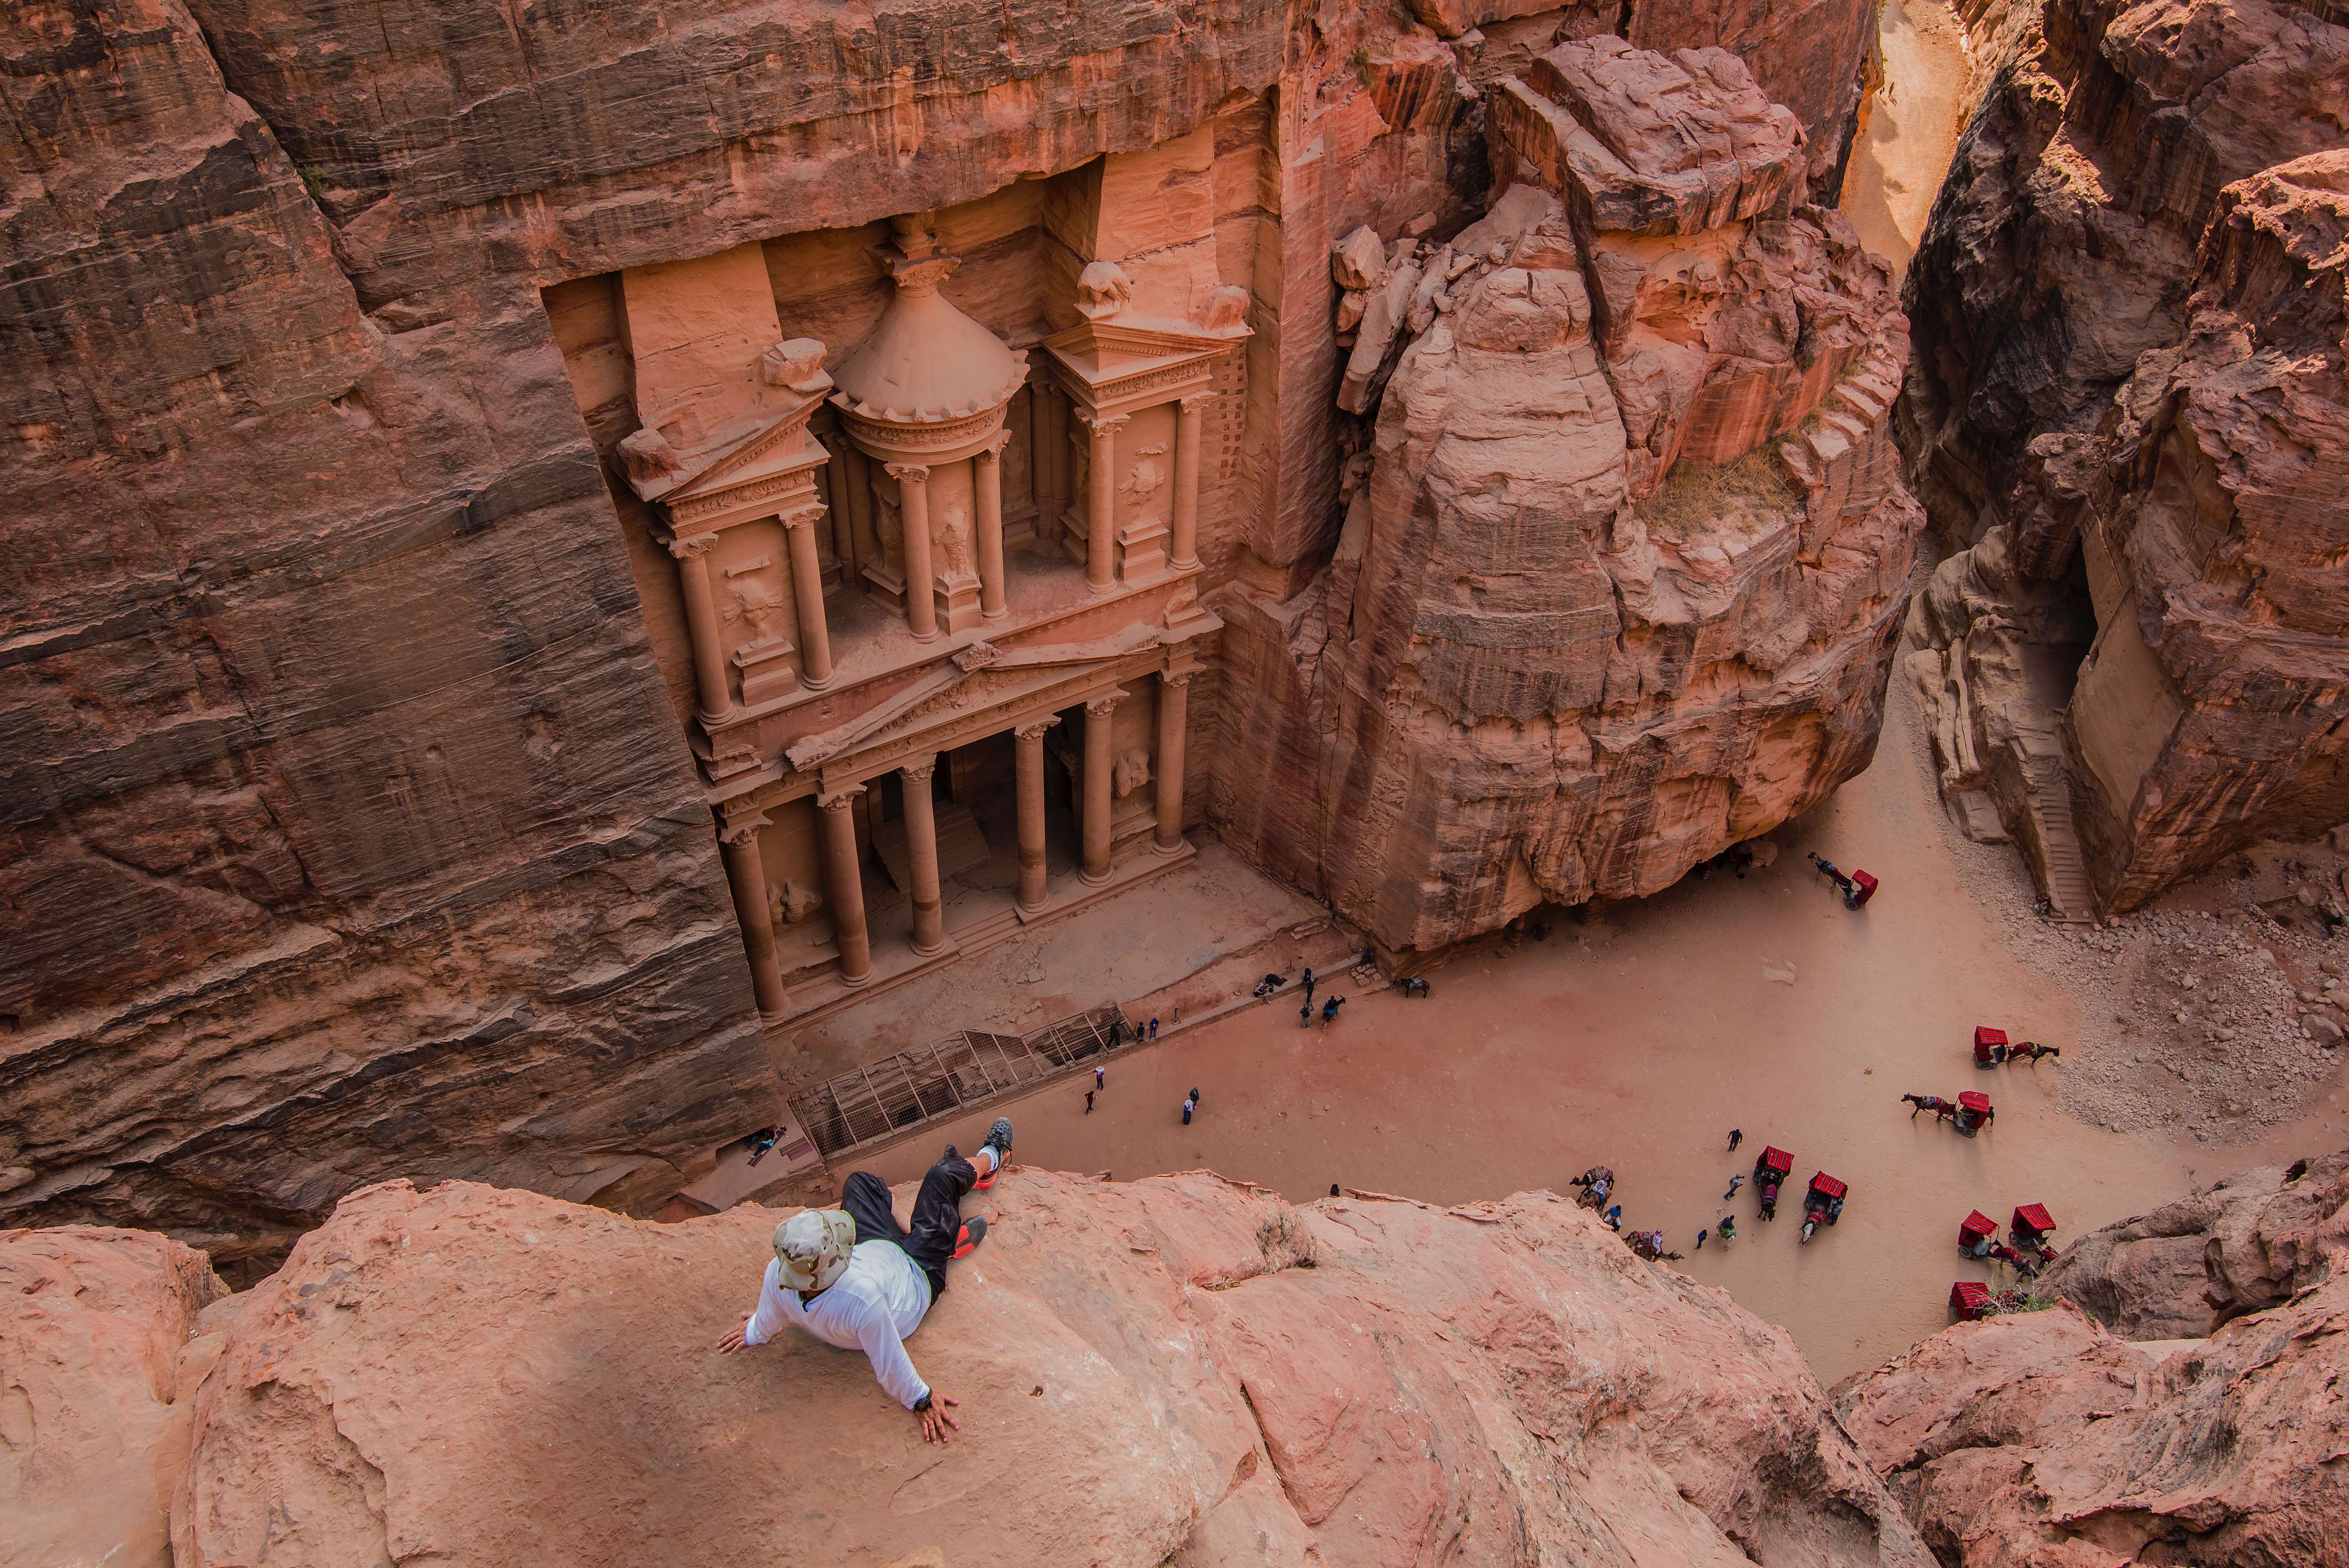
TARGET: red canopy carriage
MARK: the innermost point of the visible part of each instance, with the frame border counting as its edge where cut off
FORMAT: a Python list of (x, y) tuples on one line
[(1970, 1300), (1863, 888), (2031, 1225), (1975, 1101), (1826, 1186), (1990, 1046), (1774, 1165), (1978, 1228)]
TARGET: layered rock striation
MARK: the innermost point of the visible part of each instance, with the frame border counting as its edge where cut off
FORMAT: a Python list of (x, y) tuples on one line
[(1625, 558), (2127, 398), (1177, 1369)]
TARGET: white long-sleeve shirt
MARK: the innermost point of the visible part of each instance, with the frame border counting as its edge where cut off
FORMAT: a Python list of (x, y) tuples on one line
[(874, 1307)]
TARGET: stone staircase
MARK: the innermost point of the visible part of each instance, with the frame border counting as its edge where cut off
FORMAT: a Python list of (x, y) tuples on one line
[(2071, 898)]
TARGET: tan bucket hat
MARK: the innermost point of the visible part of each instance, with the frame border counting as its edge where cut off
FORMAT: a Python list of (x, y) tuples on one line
[(812, 1247)]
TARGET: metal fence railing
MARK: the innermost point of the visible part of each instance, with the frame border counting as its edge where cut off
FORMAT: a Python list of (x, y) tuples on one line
[(886, 1098)]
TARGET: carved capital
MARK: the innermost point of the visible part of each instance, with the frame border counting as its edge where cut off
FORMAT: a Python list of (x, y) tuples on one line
[(802, 516), (744, 830), (993, 450), (1195, 403), (1102, 706), (693, 547), (919, 772), (1176, 678), (839, 800), (1035, 730), (909, 473), (1103, 426)]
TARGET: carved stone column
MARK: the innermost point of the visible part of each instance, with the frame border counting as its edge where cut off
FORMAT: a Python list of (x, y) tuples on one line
[(1101, 505), (1174, 713), (1187, 435), (988, 461), (1029, 753), (746, 875), (914, 511), (1098, 718), (844, 519), (922, 849), (701, 625), (844, 889), (807, 592)]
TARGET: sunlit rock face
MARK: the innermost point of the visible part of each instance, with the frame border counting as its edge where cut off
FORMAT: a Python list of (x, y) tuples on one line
[(1624, 561)]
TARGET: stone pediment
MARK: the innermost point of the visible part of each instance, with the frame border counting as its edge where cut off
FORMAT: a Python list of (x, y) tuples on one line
[(977, 677), (1112, 361), (768, 445)]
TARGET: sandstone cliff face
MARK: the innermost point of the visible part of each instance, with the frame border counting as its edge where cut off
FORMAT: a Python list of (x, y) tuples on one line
[(2240, 1246), (1177, 1369), (1622, 584), (350, 831), (2129, 368), (2040, 1438)]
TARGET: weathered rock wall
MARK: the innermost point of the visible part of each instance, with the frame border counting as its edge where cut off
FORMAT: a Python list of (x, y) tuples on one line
[(1623, 566), (350, 830), (2128, 357), (1177, 1369)]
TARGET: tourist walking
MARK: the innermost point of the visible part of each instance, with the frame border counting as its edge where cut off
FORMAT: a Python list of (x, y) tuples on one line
[(1098, 1075), (1089, 1102), (1153, 1028), (1330, 1010), (1735, 1138), (1734, 1183), (1188, 1107), (1195, 1094), (1305, 1015), (1727, 1229), (1700, 1239)]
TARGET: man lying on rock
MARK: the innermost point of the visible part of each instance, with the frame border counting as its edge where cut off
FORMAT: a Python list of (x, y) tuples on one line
[(852, 1278)]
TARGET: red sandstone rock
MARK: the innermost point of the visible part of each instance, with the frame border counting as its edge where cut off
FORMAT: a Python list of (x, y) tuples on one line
[(1621, 587), (2240, 1246), (2130, 354), (99, 1360), (2040, 1439), (1174, 1370)]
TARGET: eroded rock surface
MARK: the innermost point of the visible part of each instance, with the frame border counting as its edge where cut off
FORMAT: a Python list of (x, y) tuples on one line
[(2240, 1246), (1621, 583), (2130, 317), (2040, 1438), (1173, 1369), (100, 1357)]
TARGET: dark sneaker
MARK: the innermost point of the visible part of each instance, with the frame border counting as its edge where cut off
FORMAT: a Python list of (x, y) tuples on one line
[(974, 1231), (999, 1139)]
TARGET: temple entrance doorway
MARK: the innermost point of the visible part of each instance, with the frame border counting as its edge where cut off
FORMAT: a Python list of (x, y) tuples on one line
[(973, 791)]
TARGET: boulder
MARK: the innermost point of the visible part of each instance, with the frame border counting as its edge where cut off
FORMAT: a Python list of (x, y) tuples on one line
[(2242, 1244), (1174, 1370), (2040, 1438), (100, 1351)]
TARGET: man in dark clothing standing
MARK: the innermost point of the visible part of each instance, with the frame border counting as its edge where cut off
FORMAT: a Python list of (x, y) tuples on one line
[(1736, 1137), (1309, 987), (1089, 1102), (1187, 1108)]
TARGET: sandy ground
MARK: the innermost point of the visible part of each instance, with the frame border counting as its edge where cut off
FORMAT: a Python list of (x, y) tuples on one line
[(1912, 130), (1640, 1043)]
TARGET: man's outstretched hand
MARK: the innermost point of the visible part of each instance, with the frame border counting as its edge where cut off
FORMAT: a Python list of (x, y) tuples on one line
[(936, 1422), (732, 1340)]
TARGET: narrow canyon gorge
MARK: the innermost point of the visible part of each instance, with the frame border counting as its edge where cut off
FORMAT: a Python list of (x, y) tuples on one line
[(615, 612)]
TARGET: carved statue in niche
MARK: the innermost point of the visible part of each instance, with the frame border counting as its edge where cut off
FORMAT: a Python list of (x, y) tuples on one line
[(890, 524), (1147, 476), (789, 903), (1131, 772), (757, 605), (953, 538), (1103, 290)]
